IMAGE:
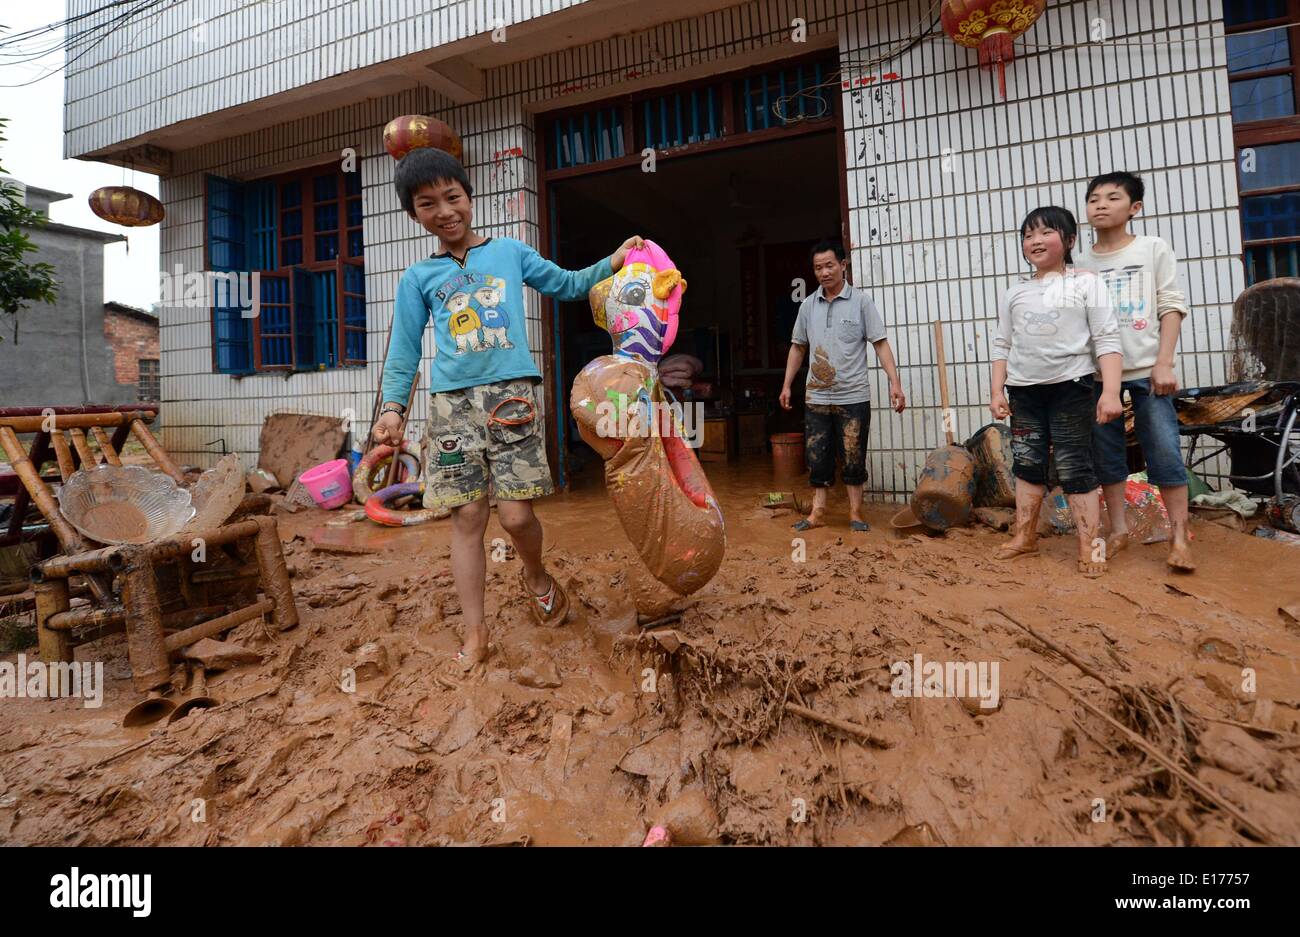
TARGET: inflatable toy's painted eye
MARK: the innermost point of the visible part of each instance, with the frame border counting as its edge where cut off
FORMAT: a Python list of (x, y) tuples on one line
[(633, 294)]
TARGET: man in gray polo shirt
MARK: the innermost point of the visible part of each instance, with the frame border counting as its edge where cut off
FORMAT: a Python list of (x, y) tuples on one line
[(837, 322)]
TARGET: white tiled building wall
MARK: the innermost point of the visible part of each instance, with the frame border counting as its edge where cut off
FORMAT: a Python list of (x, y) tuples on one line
[(181, 60), (940, 173)]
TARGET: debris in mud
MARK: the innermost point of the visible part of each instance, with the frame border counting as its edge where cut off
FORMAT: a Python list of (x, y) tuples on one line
[(219, 655), (540, 675), (327, 541), (371, 661), (996, 518), (918, 834), (689, 819)]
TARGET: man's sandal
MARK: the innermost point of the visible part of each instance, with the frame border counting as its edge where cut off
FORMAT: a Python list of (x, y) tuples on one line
[(1007, 552), (550, 609)]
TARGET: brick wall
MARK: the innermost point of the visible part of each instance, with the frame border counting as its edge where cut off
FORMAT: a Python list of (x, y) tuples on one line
[(130, 339)]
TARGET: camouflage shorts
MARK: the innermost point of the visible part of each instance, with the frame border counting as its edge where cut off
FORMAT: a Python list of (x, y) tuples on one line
[(464, 449)]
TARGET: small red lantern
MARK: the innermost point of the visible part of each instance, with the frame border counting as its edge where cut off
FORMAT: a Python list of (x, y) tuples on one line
[(413, 131), (121, 204), (991, 26)]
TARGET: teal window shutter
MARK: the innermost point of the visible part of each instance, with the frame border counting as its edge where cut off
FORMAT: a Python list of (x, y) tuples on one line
[(232, 325), (304, 319)]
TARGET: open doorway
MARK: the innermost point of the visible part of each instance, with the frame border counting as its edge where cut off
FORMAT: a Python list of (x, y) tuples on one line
[(739, 222)]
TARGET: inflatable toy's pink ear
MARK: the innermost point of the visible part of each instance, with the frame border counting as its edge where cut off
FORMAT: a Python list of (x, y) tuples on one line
[(670, 333), (656, 257)]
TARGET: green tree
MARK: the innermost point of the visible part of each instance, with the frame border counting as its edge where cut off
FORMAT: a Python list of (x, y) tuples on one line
[(21, 283)]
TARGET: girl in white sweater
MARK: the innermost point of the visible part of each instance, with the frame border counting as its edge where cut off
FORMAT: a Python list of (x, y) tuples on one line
[(1055, 329)]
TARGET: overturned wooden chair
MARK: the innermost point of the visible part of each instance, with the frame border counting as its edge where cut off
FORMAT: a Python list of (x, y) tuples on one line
[(146, 589)]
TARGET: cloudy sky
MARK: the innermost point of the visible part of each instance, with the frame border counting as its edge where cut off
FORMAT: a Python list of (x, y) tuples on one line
[(33, 152)]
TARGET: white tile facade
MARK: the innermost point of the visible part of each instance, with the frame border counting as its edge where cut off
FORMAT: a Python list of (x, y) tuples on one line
[(940, 173)]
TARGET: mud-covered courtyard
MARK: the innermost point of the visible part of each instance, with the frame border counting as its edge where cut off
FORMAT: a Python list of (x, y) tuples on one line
[(769, 712)]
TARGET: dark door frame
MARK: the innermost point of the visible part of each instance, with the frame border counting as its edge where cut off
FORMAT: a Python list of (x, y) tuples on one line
[(552, 335)]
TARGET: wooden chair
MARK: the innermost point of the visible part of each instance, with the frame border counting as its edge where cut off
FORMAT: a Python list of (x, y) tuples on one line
[(145, 589)]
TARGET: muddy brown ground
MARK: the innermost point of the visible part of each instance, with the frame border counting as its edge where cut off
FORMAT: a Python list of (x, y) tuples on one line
[(412, 757)]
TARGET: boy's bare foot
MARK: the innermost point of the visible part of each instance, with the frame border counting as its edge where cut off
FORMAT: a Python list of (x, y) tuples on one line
[(1092, 569), (1116, 541), (1180, 557)]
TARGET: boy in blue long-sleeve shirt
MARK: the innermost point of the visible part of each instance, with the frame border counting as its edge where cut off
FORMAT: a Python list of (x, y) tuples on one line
[(482, 418)]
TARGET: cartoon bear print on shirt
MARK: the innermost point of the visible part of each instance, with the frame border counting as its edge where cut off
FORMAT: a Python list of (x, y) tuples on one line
[(463, 323), (1041, 323), (489, 297)]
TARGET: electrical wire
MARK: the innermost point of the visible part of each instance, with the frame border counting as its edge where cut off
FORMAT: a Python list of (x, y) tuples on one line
[(850, 66), (1156, 42), (60, 24), (836, 77), (104, 31)]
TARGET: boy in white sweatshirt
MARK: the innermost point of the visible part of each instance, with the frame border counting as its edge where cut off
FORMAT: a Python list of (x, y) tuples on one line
[(1141, 273)]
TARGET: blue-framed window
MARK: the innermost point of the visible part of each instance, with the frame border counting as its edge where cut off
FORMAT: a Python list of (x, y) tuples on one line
[(688, 115), (1263, 46), (784, 96), (691, 115), (301, 233)]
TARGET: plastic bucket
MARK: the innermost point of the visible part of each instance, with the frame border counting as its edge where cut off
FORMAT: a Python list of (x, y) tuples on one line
[(329, 484), (787, 455), (946, 488)]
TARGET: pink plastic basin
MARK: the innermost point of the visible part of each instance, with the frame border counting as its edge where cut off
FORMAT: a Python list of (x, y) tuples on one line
[(330, 483)]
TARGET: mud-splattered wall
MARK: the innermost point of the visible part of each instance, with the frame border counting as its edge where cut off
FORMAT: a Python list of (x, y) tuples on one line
[(940, 172)]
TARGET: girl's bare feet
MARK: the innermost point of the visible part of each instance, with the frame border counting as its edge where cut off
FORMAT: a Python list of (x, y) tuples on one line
[(1019, 545), (1025, 526)]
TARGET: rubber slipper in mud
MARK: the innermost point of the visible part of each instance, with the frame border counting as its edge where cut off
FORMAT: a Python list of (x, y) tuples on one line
[(859, 526), (804, 524), (1008, 552), (550, 609)]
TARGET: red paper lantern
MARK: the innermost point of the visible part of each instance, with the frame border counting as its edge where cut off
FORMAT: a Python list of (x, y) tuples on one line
[(121, 204), (991, 26), (413, 131)]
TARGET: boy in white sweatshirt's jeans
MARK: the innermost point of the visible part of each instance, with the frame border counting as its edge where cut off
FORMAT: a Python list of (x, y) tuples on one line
[(1141, 273)]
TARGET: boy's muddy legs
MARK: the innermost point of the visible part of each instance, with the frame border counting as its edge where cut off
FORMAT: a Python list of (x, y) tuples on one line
[(1117, 539), (1180, 551), (468, 569), (1086, 511), (1029, 500), (525, 531)]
